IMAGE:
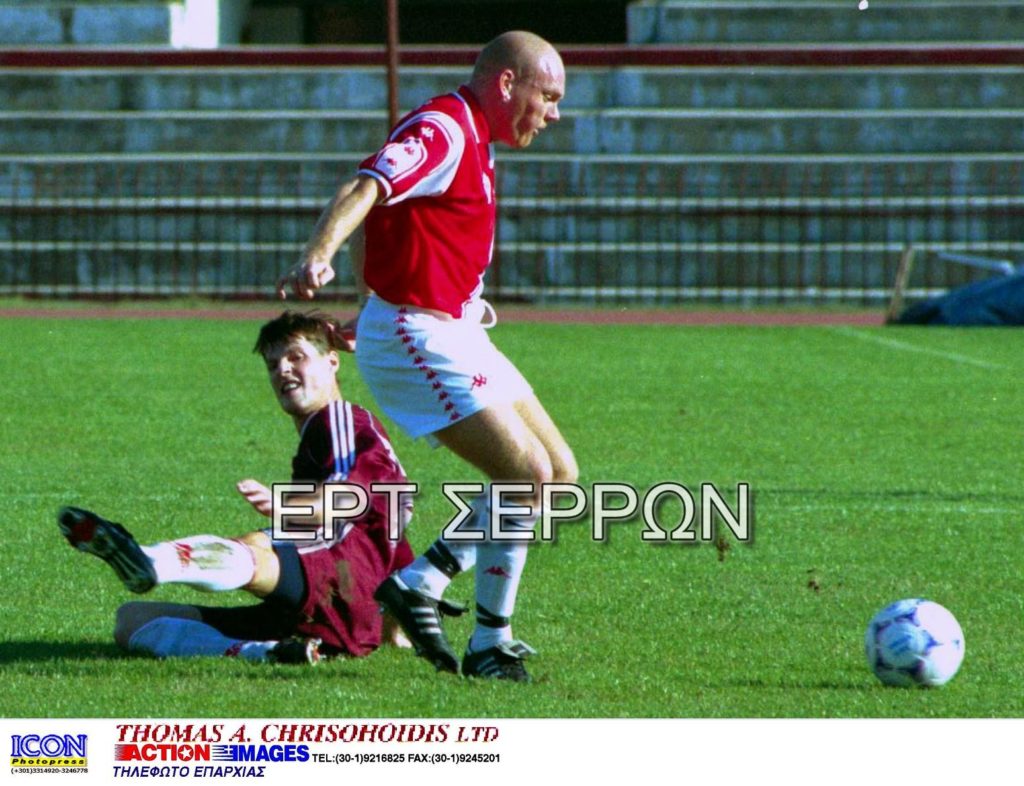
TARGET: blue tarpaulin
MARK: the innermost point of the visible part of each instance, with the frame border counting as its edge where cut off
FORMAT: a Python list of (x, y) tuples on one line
[(995, 301)]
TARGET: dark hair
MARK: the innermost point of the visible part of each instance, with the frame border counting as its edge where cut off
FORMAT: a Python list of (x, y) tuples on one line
[(320, 330)]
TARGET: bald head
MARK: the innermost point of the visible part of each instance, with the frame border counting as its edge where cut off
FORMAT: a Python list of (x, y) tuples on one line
[(518, 79), (518, 50)]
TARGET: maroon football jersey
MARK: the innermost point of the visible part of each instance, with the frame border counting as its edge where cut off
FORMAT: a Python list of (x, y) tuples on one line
[(345, 443)]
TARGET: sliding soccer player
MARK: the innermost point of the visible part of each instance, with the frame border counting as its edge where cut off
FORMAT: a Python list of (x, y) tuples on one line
[(316, 596)]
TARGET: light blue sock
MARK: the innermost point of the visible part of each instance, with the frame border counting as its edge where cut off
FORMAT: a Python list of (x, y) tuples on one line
[(172, 637)]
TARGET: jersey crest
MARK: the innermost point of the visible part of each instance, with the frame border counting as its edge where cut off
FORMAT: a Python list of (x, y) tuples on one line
[(399, 159)]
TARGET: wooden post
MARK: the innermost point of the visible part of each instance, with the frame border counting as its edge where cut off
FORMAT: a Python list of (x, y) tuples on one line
[(392, 47), (900, 285)]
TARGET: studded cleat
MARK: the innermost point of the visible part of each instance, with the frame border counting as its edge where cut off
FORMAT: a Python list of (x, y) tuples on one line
[(503, 662), (296, 650), (112, 543), (420, 618)]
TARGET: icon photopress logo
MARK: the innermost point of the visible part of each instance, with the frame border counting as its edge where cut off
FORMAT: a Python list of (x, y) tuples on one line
[(49, 752)]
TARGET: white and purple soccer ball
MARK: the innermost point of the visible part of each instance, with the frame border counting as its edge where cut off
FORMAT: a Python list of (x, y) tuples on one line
[(914, 642)]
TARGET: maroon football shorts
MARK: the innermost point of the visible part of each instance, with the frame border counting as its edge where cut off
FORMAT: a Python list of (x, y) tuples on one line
[(338, 606), (340, 581)]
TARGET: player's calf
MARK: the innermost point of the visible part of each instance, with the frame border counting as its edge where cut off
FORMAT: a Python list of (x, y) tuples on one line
[(167, 630)]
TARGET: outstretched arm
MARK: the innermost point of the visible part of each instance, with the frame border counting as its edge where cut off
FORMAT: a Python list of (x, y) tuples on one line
[(262, 500), (257, 495), (346, 212)]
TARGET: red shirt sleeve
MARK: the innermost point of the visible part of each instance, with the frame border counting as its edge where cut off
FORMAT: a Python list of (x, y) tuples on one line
[(421, 157)]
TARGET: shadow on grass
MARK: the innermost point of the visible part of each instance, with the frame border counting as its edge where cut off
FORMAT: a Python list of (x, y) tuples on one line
[(65, 654), (43, 651)]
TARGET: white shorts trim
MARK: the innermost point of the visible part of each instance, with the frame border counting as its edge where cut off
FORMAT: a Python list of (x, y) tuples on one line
[(427, 373)]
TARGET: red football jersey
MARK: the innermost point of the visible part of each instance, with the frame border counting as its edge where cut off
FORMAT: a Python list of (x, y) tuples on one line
[(429, 241)]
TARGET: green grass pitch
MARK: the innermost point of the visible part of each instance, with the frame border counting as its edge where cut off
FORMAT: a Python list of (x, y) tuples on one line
[(884, 463)]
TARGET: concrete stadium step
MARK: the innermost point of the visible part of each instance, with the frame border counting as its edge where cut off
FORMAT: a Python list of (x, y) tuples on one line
[(684, 270), (177, 224), (84, 268), (217, 89), (297, 180), (615, 131), (809, 224), (762, 271), (812, 88), (528, 175), (758, 21), (786, 131), (250, 89), (86, 23), (567, 219), (210, 132)]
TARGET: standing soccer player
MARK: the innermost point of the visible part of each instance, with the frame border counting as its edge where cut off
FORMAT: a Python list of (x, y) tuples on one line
[(428, 201), (317, 594)]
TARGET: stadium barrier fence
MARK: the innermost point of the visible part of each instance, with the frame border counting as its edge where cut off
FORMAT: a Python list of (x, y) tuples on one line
[(622, 229)]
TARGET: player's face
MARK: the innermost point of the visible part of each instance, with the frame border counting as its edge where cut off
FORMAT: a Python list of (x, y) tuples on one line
[(304, 379), (534, 101)]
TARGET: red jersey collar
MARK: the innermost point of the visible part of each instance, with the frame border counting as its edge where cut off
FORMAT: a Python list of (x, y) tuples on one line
[(479, 120)]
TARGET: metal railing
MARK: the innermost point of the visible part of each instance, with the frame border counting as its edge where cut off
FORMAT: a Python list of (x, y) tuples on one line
[(616, 229)]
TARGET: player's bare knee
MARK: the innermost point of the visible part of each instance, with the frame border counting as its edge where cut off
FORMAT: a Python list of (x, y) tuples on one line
[(266, 567), (566, 470), (541, 473), (256, 540), (539, 466)]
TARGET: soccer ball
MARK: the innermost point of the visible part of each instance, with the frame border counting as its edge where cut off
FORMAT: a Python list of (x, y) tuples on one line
[(914, 642)]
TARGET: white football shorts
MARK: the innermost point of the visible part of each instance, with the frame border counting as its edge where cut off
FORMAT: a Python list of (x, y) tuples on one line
[(427, 373)]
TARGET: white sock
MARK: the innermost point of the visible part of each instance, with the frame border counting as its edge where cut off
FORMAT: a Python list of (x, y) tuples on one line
[(170, 637), (499, 569), (432, 571), (205, 562)]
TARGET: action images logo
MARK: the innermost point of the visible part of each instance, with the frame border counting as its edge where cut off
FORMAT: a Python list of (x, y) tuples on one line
[(226, 760), (49, 753)]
